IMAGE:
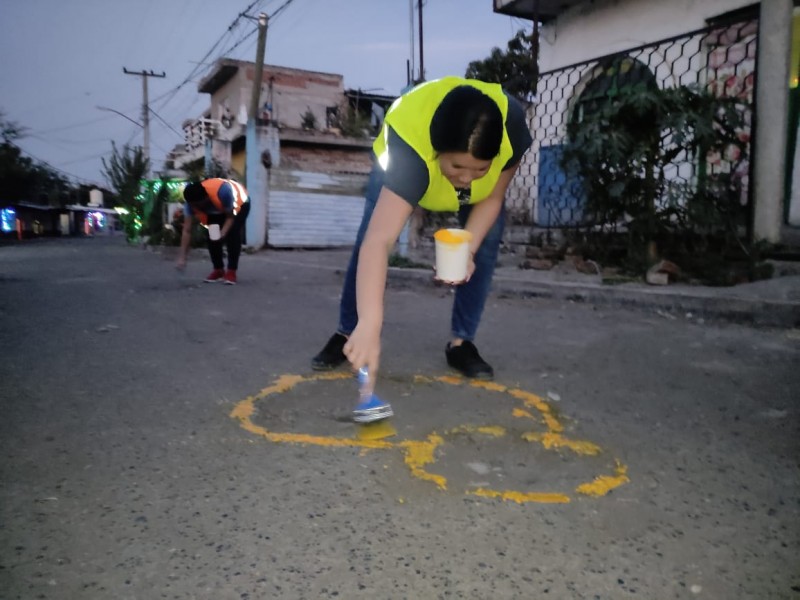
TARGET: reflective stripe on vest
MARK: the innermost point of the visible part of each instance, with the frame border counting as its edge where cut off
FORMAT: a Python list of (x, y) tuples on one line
[(212, 189), (410, 117)]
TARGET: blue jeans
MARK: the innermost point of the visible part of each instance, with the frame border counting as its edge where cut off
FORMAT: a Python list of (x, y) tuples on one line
[(470, 297)]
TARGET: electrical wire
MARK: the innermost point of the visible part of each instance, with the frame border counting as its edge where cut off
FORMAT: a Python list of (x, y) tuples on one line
[(51, 167), (157, 116), (202, 61), (211, 56), (163, 99)]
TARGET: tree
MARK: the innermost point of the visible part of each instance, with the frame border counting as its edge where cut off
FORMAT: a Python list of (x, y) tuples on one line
[(10, 130), (23, 179), (515, 68), (124, 172)]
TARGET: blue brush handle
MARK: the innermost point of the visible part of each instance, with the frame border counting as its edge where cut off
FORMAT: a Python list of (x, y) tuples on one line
[(363, 384), (370, 408)]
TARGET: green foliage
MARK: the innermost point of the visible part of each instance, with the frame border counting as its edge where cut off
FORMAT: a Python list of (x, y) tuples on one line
[(131, 225), (24, 180), (161, 233), (352, 123), (155, 218), (309, 120), (124, 171), (10, 131), (644, 156), (515, 68), (170, 234)]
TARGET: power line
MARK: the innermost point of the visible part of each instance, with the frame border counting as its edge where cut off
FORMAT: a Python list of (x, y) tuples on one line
[(157, 116), (145, 110), (51, 167), (215, 52), (280, 8), (165, 98), (202, 61), (72, 126)]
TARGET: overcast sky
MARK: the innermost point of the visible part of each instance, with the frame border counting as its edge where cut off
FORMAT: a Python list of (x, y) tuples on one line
[(62, 59)]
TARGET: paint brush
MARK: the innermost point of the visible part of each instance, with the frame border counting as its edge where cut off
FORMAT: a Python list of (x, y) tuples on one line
[(371, 415)]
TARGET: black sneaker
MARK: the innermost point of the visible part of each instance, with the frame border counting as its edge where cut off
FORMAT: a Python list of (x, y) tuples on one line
[(467, 361), (331, 356)]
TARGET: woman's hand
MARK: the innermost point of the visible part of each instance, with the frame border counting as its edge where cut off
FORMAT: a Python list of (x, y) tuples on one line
[(470, 267), (470, 271), (226, 226), (363, 349)]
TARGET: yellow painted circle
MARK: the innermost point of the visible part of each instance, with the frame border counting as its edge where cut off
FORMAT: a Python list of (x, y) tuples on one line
[(419, 454)]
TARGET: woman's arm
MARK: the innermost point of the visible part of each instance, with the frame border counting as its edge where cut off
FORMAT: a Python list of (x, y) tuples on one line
[(226, 226), (227, 196), (387, 221), (186, 241), (485, 213)]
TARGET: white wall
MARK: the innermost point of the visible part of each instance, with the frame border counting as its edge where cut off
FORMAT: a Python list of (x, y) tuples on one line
[(314, 209), (603, 27)]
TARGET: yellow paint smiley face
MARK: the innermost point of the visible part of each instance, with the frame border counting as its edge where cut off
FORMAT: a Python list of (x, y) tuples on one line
[(421, 455)]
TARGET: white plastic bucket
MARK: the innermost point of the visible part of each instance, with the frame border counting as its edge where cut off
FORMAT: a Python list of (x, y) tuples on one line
[(452, 254)]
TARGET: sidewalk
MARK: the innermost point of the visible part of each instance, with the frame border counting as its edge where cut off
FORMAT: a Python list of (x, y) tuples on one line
[(773, 302)]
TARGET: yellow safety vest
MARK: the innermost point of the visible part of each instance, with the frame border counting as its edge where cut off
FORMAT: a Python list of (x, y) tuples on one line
[(410, 117)]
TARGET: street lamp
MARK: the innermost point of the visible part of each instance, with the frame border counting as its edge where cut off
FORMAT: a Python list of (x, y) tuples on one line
[(120, 114)]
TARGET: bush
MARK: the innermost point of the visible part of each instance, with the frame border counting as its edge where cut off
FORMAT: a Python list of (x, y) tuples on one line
[(631, 150)]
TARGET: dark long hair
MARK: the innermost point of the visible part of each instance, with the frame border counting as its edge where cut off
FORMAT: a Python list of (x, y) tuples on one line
[(467, 120)]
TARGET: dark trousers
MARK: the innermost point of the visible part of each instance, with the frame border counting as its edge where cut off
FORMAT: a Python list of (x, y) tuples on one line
[(232, 241)]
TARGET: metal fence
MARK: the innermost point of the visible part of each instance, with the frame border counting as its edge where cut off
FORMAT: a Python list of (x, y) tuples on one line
[(721, 58)]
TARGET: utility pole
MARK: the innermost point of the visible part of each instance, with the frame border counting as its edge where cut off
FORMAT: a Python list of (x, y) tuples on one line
[(535, 48), (256, 179), (421, 59), (263, 23), (410, 81), (145, 111)]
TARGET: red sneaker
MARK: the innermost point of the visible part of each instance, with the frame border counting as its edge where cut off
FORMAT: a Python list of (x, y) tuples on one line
[(215, 275), (230, 277)]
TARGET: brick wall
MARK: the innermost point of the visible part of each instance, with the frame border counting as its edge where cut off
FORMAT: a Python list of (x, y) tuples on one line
[(326, 160)]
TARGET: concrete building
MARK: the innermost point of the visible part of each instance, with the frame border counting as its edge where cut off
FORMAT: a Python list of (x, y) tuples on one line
[(316, 168)]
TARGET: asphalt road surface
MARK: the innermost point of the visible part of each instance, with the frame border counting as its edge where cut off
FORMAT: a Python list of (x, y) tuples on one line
[(165, 438)]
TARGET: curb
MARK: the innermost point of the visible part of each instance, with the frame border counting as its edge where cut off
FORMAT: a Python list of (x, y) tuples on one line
[(707, 303)]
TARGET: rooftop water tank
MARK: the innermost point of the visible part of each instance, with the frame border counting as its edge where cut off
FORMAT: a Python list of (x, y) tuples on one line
[(95, 198)]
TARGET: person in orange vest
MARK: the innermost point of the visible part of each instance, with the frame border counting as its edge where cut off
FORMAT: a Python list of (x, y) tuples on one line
[(448, 145), (221, 206)]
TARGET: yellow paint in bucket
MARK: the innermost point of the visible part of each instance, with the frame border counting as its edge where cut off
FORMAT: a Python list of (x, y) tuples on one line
[(452, 254)]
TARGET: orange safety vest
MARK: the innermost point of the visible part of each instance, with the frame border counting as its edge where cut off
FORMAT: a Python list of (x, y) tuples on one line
[(212, 186)]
